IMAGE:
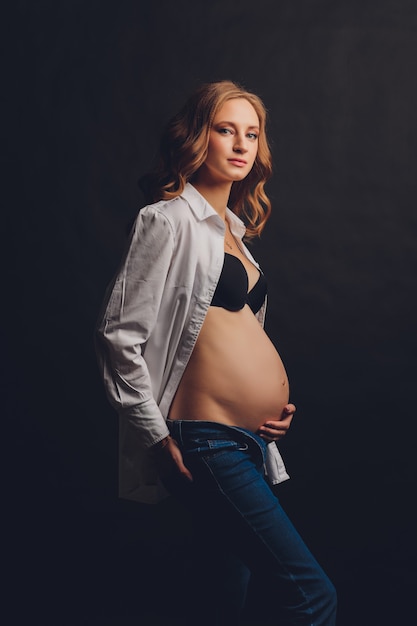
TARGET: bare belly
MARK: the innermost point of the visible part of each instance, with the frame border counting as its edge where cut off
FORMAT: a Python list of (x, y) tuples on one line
[(234, 376)]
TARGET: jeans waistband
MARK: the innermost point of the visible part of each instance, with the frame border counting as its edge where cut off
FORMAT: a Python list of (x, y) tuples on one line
[(186, 430)]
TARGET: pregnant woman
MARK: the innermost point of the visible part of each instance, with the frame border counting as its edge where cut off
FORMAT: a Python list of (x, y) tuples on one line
[(201, 391)]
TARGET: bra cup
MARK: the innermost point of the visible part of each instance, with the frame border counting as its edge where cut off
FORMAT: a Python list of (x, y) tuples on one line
[(232, 289), (256, 296)]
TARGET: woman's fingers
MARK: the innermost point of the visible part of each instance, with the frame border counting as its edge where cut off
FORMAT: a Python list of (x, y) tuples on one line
[(274, 430)]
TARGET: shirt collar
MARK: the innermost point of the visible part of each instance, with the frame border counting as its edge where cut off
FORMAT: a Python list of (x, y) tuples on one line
[(202, 209)]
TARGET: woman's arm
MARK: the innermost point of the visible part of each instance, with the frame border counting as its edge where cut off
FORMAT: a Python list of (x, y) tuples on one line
[(130, 313)]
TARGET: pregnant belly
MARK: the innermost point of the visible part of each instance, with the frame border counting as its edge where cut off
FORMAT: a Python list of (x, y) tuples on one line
[(234, 376)]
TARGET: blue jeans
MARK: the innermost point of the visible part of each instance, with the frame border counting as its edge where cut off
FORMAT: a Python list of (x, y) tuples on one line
[(241, 529)]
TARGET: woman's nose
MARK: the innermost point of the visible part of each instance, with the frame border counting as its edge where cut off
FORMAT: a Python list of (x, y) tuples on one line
[(240, 144)]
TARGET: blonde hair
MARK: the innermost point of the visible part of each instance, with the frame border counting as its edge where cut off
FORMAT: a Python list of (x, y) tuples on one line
[(183, 149)]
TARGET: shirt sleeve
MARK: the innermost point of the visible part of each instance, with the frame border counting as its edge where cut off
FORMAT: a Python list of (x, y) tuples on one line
[(274, 465), (130, 312)]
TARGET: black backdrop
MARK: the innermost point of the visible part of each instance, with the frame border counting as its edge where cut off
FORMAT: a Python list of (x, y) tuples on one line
[(87, 86)]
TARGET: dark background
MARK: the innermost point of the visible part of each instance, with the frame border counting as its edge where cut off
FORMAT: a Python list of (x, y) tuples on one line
[(87, 86)]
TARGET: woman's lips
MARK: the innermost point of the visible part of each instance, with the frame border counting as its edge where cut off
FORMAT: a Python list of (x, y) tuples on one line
[(238, 162)]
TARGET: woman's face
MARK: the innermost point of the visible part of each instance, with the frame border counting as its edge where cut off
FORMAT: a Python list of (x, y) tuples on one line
[(233, 143)]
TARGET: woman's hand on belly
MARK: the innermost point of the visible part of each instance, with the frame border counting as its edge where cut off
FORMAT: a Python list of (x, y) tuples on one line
[(274, 430)]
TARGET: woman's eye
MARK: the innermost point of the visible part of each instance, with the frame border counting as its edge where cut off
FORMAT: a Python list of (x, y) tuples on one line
[(225, 131), (253, 136)]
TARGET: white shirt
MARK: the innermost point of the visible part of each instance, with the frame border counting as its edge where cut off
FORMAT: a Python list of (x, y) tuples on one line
[(153, 312)]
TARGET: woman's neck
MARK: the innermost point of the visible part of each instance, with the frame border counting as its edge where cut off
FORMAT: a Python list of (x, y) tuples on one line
[(217, 196)]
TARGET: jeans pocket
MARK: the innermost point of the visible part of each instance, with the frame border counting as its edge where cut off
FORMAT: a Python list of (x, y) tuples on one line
[(220, 444), (216, 447)]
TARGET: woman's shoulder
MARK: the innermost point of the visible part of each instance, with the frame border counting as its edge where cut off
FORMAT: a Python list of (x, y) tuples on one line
[(178, 212), (185, 209), (175, 210)]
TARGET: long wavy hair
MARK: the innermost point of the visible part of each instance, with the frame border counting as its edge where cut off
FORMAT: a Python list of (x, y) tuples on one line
[(183, 149)]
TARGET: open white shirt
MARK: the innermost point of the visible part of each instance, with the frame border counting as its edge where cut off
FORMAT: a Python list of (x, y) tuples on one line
[(153, 313)]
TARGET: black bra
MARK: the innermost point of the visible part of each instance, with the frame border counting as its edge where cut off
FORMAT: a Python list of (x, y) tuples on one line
[(232, 289)]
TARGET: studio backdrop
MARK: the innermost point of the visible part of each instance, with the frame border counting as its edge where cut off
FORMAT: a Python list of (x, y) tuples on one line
[(89, 86)]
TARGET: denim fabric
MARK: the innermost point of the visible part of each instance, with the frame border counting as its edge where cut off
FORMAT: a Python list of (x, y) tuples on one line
[(241, 529)]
